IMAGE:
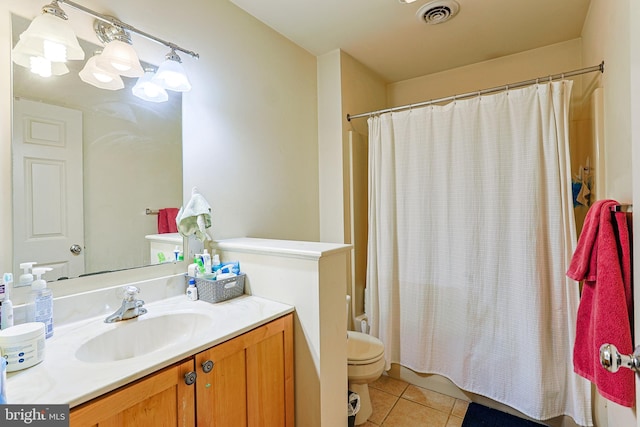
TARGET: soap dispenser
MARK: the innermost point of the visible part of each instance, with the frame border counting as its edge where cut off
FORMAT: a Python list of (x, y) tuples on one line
[(40, 306), (26, 278)]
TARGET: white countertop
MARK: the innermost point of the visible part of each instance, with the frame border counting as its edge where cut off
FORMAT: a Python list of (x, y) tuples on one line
[(63, 379)]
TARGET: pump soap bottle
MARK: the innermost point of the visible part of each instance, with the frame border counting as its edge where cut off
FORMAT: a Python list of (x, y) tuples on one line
[(40, 307), (26, 278)]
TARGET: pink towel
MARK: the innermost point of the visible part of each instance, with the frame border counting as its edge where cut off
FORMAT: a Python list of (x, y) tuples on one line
[(167, 220), (603, 261)]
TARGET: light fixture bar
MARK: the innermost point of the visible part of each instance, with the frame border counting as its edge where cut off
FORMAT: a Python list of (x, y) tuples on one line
[(124, 25)]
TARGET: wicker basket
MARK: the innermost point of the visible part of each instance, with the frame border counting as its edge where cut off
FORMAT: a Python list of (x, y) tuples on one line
[(219, 290)]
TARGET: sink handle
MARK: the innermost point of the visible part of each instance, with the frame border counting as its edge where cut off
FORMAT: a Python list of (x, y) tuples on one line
[(130, 292)]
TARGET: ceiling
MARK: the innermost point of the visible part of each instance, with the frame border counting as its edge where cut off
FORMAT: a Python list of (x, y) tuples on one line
[(387, 36)]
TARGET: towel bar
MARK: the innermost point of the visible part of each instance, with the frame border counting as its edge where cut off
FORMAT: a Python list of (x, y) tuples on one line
[(151, 212), (622, 208), (612, 360)]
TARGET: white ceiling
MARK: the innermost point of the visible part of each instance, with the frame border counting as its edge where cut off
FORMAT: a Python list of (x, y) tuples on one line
[(387, 37)]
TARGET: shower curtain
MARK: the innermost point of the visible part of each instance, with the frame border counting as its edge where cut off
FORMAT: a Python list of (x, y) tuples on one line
[(471, 231)]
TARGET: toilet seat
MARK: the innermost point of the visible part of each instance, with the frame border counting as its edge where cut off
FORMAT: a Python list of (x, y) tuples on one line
[(363, 349)]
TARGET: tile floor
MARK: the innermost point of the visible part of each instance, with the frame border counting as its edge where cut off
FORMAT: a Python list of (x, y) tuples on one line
[(399, 404)]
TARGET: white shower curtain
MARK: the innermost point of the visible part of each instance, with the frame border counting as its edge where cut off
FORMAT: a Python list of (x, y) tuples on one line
[(471, 231)]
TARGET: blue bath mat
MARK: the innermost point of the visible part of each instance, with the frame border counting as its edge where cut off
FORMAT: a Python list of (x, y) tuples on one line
[(482, 416)]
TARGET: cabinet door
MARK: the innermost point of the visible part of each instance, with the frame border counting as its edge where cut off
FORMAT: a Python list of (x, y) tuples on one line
[(160, 399), (251, 382)]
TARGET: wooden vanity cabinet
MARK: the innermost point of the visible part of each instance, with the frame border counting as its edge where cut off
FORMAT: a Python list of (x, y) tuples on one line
[(250, 381), (246, 381), (150, 401)]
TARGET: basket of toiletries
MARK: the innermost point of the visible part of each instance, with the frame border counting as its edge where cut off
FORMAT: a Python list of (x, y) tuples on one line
[(211, 290)]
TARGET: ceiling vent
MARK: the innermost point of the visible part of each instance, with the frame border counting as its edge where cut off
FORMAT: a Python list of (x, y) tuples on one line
[(437, 12)]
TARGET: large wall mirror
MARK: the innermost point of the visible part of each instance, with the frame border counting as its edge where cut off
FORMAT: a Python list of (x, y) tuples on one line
[(128, 159)]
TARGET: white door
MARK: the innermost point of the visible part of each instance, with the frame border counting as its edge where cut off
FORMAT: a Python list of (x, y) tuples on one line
[(47, 184)]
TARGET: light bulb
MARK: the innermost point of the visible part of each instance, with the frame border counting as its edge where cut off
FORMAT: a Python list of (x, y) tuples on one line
[(145, 88), (40, 66), (54, 52), (104, 78)]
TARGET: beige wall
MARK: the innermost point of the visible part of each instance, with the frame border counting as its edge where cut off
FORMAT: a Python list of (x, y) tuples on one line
[(606, 35), (330, 153), (250, 122), (527, 65), (346, 86), (362, 91), (634, 90)]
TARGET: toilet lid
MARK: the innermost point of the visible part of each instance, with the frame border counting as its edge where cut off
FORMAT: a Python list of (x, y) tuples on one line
[(361, 347)]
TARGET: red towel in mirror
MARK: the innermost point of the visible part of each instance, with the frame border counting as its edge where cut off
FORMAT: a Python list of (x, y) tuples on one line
[(167, 220)]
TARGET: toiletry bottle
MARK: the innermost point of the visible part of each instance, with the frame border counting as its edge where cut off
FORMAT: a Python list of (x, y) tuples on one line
[(40, 307), (3, 381), (192, 291), (26, 278), (6, 314), (200, 269), (206, 260), (191, 269), (177, 254), (215, 264)]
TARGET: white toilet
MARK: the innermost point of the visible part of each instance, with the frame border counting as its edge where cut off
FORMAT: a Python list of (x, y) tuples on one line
[(365, 364)]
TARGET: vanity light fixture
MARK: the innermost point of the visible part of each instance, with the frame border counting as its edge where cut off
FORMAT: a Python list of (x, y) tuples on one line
[(48, 42), (117, 59), (98, 77), (147, 89), (171, 74)]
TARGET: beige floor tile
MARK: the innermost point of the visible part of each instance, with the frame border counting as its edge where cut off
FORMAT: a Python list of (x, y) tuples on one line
[(407, 413), (390, 385), (454, 421), (368, 424), (381, 402), (430, 398), (460, 408)]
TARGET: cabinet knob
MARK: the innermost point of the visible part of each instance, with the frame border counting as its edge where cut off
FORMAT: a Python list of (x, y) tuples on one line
[(190, 378), (207, 366)]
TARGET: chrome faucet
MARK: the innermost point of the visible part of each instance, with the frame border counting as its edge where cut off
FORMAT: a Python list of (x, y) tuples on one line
[(131, 307)]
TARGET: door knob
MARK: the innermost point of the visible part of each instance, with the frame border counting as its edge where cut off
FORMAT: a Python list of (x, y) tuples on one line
[(75, 249), (612, 360)]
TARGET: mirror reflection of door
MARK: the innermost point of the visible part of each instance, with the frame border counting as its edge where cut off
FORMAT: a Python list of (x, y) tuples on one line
[(47, 183)]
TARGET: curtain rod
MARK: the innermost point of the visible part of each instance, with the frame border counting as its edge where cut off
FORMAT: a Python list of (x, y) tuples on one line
[(118, 23), (599, 67)]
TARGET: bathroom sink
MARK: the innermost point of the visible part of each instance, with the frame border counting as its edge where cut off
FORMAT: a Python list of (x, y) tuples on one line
[(141, 336)]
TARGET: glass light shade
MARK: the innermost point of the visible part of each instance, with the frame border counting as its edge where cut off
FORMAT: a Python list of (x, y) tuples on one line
[(27, 61), (145, 88), (171, 76), (98, 77), (61, 42), (120, 58)]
